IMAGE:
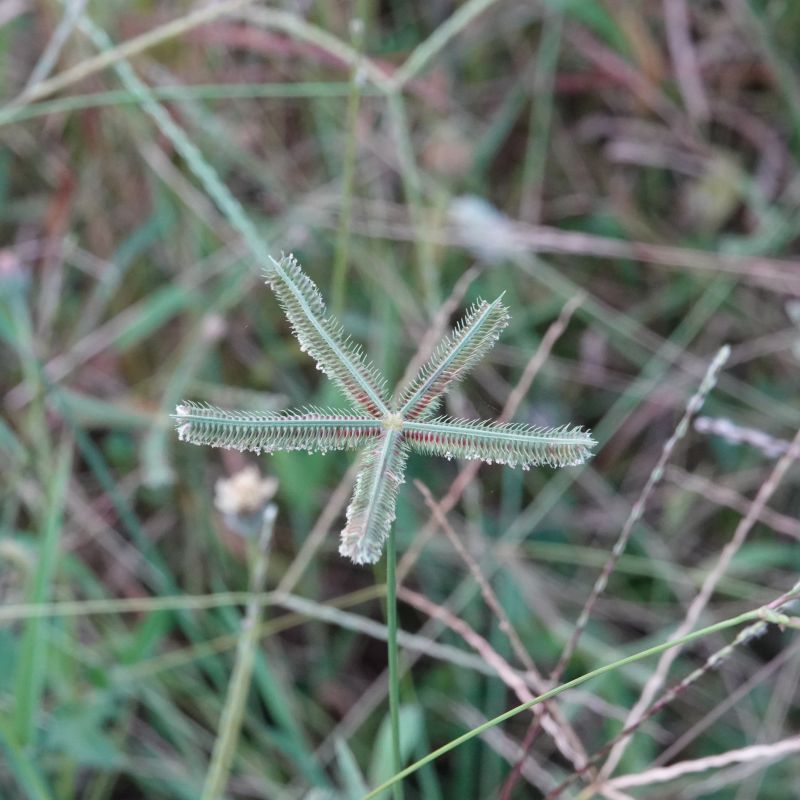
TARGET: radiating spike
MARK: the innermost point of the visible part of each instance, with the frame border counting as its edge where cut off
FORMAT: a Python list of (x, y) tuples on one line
[(322, 337), (453, 358), (386, 435), (308, 429), (513, 444), (372, 509)]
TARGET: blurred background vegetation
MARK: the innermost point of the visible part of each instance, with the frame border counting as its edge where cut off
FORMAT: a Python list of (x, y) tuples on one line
[(637, 161)]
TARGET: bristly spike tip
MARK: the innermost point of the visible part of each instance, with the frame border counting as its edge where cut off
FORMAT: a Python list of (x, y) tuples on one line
[(454, 357), (320, 335), (372, 509)]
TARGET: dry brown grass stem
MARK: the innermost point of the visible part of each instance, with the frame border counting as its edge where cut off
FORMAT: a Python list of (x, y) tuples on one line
[(759, 752), (692, 407), (779, 276), (554, 722), (699, 603), (724, 496), (684, 58), (132, 47)]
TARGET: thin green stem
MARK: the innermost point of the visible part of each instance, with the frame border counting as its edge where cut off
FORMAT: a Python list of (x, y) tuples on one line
[(223, 91), (539, 124), (205, 173), (394, 678), (436, 42), (113, 55), (49, 57), (13, 612), (231, 720), (20, 764), (412, 188), (348, 168)]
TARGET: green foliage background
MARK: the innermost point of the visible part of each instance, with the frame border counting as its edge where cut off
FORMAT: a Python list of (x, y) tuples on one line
[(123, 289)]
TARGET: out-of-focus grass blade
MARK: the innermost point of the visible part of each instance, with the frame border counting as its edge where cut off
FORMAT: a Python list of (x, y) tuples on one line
[(159, 577), (10, 444), (595, 17), (158, 308), (5, 165), (24, 770), (755, 557), (156, 465), (224, 91), (352, 780), (381, 766), (79, 730), (30, 675), (153, 229), (275, 695), (95, 413)]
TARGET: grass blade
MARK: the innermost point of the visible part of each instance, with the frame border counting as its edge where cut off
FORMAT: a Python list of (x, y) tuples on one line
[(232, 713), (30, 677)]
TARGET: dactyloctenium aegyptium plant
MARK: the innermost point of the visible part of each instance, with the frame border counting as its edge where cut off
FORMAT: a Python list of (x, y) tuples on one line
[(387, 428)]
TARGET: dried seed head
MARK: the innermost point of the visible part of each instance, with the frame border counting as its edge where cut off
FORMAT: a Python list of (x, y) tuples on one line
[(244, 493)]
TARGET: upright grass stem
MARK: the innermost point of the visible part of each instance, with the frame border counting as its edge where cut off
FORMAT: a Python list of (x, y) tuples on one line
[(539, 121), (231, 720), (412, 187), (348, 168), (394, 677), (29, 686)]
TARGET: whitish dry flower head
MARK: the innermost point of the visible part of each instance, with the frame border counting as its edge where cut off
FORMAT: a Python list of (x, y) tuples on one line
[(244, 493)]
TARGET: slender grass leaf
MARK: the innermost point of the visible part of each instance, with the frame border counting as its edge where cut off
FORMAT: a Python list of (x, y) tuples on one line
[(24, 770), (411, 723), (30, 676)]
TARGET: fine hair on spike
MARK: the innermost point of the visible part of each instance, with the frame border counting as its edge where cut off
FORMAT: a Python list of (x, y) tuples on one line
[(513, 444), (453, 358), (311, 429), (324, 339), (372, 509)]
